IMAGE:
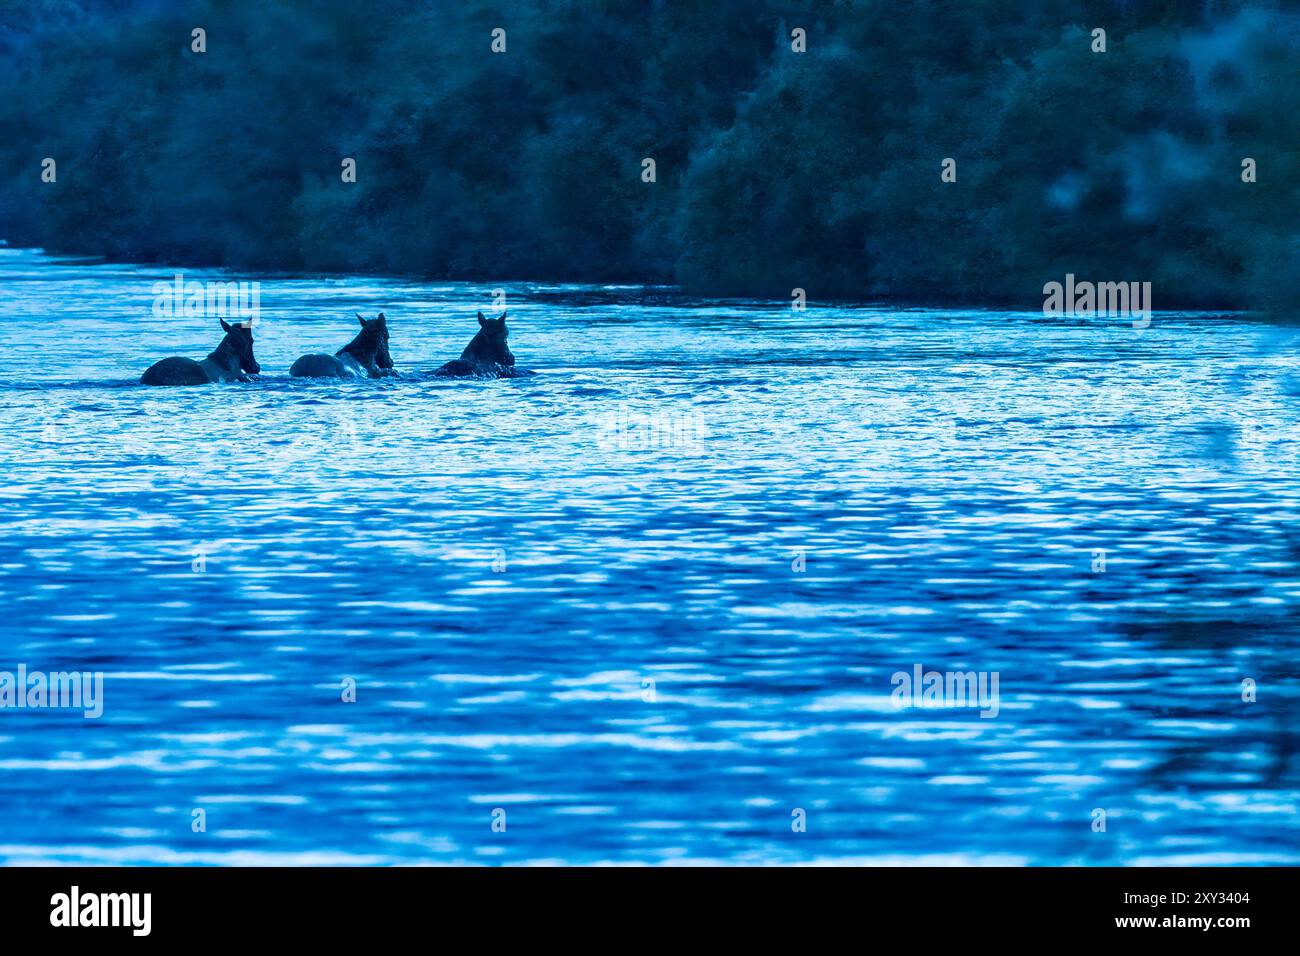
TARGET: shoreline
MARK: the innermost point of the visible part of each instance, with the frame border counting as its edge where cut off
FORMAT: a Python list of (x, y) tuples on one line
[(642, 292)]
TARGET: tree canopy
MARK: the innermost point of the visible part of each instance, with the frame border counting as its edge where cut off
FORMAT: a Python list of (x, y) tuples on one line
[(774, 169)]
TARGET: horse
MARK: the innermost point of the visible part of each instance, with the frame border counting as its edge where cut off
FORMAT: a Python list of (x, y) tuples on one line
[(487, 355), (365, 355), (227, 363)]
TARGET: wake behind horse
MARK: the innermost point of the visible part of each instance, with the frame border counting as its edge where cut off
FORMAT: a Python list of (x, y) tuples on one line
[(487, 355), (365, 355), (226, 363)]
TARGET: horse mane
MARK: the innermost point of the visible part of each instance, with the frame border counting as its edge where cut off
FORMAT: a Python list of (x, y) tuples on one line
[(364, 345), (481, 348)]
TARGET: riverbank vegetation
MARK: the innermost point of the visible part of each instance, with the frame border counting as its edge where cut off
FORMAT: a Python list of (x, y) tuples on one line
[(773, 169)]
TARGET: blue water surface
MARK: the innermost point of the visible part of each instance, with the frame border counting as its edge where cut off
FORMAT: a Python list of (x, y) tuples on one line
[(647, 604)]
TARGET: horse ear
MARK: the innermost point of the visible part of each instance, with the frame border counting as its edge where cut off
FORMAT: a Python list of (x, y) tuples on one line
[(224, 326), (382, 320), (481, 319), (361, 320), (501, 317)]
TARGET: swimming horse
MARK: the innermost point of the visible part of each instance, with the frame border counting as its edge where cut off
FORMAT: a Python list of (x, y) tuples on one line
[(487, 355), (228, 362), (365, 355)]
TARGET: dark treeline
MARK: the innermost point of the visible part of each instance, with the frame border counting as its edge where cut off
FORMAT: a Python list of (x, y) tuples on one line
[(775, 169)]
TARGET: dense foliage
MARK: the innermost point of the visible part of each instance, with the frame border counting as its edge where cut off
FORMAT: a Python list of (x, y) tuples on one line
[(775, 169)]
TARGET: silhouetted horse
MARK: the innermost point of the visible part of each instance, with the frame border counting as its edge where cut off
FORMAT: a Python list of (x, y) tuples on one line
[(227, 363), (487, 355), (367, 354)]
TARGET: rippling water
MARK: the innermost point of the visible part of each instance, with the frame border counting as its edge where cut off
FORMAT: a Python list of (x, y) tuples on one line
[(577, 598)]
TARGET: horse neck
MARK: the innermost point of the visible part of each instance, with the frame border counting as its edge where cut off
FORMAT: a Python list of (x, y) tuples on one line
[(483, 349), (471, 351), (225, 355), (363, 348)]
